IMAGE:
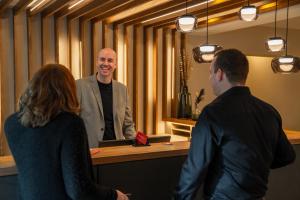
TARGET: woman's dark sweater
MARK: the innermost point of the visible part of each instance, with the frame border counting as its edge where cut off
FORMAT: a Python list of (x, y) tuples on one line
[(53, 161)]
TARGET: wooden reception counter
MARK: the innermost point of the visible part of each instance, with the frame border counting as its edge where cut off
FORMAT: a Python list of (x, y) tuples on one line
[(152, 172), (117, 154)]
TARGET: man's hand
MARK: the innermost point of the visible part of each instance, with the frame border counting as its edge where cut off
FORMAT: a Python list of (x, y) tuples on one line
[(121, 196)]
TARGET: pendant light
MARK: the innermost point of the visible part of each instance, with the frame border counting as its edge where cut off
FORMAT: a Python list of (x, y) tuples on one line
[(275, 44), (186, 23), (286, 64), (248, 13), (206, 52)]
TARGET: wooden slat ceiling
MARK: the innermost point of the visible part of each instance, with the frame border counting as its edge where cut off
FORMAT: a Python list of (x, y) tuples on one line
[(149, 13)]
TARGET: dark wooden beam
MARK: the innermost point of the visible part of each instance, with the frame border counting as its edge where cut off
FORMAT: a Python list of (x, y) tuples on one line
[(4, 5), (106, 10), (55, 7), (149, 11), (95, 5), (21, 5), (66, 11), (165, 10), (41, 8), (115, 10)]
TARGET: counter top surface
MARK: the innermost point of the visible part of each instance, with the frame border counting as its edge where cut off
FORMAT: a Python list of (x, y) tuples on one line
[(117, 154)]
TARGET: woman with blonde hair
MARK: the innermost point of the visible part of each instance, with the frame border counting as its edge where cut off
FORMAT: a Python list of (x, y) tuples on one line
[(49, 143)]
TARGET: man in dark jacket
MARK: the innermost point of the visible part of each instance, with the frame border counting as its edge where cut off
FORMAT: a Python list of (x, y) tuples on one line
[(237, 140)]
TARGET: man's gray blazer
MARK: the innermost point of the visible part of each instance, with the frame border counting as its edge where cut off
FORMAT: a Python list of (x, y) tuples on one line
[(91, 110)]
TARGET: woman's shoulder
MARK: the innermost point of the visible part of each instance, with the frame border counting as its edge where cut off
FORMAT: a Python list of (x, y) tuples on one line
[(69, 119), (11, 120), (68, 116)]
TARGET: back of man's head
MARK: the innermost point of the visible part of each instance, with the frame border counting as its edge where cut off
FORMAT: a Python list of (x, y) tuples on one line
[(234, 63)]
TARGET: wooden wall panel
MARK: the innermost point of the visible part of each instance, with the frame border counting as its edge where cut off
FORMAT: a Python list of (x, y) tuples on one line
[(35, 44), (150, 81), (160, 125), (168, 71), (62, 42), (115, 43), (109, 34), (20, 54), (129, 43), (121, 52), (140, 79), (48, 34), (86, 55), (153, 88), (74, 36), (97, 41), (145, 60), (7, 73)]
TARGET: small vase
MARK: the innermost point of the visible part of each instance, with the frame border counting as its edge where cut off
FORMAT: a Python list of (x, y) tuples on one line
[(184, 109)]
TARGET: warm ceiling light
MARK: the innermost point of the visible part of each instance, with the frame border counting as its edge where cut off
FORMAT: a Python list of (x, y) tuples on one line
[(186, 23), (206, 52), (275, 44), (31, 3), (75, 4), (37, 5), (286, 64), (248, 13), (176, 11)]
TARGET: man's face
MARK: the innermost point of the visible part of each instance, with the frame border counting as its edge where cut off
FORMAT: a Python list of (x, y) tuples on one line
[(106, 62)]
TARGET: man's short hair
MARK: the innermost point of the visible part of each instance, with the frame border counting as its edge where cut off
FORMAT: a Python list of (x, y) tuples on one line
[(234, 63)]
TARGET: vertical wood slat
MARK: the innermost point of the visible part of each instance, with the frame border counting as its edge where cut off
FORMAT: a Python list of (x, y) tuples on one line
[(160, 125), (20, 54), (35, 44), (150, 81), (62, 42), (108, 28), (121, 55), (130, 68), (164, 74), (174, 63), (115, 47), (85, 57), (7, 73), (135, 69), (125, 57), (74, 37), (145, 44), (154, 84), (48, 36), (168, 73), (140, 78), (97, 41), (103, 35)]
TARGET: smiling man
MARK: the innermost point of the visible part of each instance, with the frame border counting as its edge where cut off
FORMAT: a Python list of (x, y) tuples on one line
[(104, 102)]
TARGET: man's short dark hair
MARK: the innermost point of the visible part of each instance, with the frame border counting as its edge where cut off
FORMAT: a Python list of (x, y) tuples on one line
[(234, 63)]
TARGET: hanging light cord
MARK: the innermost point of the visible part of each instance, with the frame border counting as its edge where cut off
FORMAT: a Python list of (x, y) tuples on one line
[(207, 22), (287, 27), (275, 17), (185, 7)]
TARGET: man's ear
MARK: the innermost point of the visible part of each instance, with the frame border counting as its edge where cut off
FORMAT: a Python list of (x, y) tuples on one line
[(220, 74)]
